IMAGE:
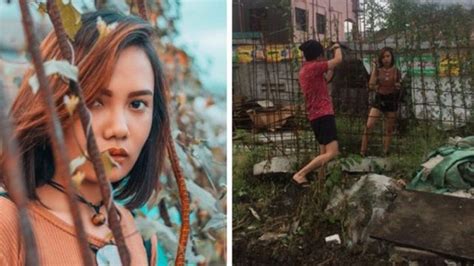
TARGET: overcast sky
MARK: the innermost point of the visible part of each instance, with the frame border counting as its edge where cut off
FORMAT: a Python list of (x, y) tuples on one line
[(202, 30)]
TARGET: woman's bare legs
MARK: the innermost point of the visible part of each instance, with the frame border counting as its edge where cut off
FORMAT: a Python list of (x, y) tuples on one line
[(374, 115), (390, 119), (321, 173), (331, 151)]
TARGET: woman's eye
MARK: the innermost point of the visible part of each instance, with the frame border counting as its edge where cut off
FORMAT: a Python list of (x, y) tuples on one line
[(96, 104), (138, 105)]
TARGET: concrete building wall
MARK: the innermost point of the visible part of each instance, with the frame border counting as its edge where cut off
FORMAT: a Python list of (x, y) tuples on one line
[(252, 80), (336, 12), (452, 105), (277, 23), (272, 20)]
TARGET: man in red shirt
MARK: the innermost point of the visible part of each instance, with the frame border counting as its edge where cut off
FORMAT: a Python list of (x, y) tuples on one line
[(318, 104)]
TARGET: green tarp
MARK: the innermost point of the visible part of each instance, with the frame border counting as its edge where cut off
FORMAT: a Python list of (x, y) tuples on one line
[(453, 169)]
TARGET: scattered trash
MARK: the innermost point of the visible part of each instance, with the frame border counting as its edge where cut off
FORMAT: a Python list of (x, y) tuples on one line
[(451, 263), (265, 104), (294, 226), (254, 213), (333, 239), (413, 255), (468, 194), (271, 236), (270, 119)]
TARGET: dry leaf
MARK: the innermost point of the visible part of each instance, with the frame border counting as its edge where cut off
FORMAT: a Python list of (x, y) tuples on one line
[(61, 67), (74, 164), (78, 178), (103, 28), (109, 236), (71, 18), (42, 9), (108, 162), (71, 103)]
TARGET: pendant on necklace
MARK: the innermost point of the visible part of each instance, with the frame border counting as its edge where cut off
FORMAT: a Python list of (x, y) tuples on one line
[(98, 219)]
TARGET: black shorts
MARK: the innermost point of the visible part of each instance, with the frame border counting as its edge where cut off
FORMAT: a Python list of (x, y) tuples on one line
[(324, 129), (386, 102)]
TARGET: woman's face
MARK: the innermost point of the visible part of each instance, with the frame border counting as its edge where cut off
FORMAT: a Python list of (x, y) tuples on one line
[(121, 115), (387, 59)]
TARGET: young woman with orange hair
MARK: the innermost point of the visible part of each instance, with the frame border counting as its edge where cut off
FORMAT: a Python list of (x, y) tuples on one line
[(122, 83)]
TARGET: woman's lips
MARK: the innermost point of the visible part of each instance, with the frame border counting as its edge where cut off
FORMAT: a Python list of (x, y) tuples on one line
[(119, 159), (118, 154)]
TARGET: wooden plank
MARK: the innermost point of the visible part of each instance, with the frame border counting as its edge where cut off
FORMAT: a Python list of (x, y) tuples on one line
[(437, 223)]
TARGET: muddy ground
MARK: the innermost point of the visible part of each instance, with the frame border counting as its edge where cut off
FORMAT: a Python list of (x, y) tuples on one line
[(277, 224)]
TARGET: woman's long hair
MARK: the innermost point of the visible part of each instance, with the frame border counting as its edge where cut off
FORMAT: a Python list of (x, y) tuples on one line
[(95, 59), (382, 52)]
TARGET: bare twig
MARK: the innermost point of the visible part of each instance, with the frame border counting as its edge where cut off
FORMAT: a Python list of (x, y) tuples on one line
[(142, 9), (15, 183), (92, 147), (55, 129), (183, 193), (164, 213)]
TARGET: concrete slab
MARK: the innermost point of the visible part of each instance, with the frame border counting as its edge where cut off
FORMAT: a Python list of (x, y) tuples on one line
[(276, 165), (414, 254), (432, 222)]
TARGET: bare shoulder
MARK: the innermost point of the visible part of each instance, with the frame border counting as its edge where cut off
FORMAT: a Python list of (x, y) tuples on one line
[(127, 220), (125, 213)]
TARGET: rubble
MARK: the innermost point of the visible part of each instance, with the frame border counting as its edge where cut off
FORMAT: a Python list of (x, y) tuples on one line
[(365, 203)]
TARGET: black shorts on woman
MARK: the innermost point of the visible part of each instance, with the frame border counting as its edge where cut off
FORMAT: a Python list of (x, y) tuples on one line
[(386, 102), (324, 129)]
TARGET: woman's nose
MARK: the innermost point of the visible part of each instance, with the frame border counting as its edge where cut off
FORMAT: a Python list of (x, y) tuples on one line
[(116, 125)]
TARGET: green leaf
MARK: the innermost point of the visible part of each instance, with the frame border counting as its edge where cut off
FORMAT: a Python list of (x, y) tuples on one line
[(61, 67), (70, 16)]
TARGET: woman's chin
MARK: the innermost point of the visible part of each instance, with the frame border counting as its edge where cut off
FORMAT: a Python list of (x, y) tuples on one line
[(114, 175)]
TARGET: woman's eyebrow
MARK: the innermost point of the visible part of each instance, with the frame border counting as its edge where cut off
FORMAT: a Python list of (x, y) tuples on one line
[(140, 93), (106, 92), (109, 93)]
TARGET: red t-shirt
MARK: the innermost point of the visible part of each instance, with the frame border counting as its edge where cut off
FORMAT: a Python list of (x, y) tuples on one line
[(313, 85)]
